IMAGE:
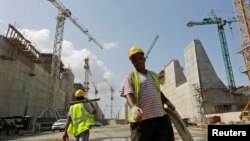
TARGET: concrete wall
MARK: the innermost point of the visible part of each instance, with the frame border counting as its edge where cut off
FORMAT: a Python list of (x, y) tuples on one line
[(24, 83), (203, 93), (123, 113)]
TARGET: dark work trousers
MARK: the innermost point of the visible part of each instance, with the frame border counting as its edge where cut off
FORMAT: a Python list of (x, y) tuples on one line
[(155, 129), (84, 136)]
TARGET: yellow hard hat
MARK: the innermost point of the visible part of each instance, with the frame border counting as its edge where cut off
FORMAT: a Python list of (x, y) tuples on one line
[(79, 93), (134, 50)]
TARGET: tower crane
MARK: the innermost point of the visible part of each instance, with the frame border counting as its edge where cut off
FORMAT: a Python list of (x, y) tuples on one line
[(87, 74), (220, 26), (241, 8), (111, 98), (151, 46), (63, 13)]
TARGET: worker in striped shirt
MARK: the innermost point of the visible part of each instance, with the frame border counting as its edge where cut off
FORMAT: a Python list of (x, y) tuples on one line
[(141, 88)]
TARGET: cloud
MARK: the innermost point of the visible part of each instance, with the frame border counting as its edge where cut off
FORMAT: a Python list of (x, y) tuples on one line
[(110, 45), (39, 38)]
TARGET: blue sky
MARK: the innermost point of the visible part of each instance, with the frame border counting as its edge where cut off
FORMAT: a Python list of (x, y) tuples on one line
[(120, 24)]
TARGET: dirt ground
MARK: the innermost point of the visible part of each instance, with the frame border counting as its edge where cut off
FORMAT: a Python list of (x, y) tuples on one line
[(102, 133), (96, 134)]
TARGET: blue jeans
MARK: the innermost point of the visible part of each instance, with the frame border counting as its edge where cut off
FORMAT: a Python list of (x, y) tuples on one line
[(84, 136)]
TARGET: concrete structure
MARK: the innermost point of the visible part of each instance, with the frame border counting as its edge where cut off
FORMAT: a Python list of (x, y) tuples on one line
[(200, 92), (24, 76), (123, 113), (196, 90), (24, 79)]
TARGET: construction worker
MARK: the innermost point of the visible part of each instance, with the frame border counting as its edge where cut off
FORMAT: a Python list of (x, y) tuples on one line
[(80, 119), (141, 88)]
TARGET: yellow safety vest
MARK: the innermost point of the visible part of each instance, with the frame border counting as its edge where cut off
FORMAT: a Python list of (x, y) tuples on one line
[(136, 82), (81, 119)]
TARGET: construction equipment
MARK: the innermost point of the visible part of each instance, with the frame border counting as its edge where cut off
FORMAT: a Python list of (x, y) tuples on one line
[(245, 113), (151, 46), (220, 25), (50, 110), (241, 8), (87, 74), (111, 98)]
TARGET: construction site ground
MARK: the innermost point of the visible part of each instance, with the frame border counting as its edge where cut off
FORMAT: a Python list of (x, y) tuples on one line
[(102, 133)]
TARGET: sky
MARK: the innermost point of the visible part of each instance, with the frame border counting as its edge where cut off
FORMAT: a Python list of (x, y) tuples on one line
[(120, 24)]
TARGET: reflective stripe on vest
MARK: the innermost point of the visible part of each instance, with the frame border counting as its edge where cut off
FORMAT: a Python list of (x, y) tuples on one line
[(136, 81), (81, 119)]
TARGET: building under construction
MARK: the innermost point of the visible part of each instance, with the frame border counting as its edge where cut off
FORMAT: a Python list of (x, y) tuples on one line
[(198, 94), (24, 79)]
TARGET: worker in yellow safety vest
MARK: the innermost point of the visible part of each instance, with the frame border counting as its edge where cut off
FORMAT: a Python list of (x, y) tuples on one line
[(80, 119), (141, 88)]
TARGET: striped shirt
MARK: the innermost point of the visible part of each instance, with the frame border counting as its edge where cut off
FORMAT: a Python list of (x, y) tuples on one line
[(148, 99)]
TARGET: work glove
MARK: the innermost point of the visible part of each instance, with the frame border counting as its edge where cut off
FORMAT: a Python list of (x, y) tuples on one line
[(137, 113)]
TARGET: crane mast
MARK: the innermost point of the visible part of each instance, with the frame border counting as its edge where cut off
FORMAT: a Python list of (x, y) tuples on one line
[(87, 74), (242, 9), (220, 26), (63, 13), (111, 98)]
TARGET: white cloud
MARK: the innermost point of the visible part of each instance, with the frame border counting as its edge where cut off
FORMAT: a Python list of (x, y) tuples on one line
[(39, 38), (110, 45)]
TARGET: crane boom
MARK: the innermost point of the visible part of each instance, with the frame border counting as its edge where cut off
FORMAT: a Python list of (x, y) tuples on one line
[(220, 26), (151, 46), (63, 13), (74, 20)]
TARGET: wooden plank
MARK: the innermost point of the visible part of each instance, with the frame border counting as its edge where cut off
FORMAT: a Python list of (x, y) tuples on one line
[(83, 101)]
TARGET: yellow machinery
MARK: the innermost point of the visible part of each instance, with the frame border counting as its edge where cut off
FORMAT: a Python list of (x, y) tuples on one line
[(241, 8)]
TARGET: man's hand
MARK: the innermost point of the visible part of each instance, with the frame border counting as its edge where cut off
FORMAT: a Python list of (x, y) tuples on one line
[(171, 106), (65, 137), (138, 113)]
